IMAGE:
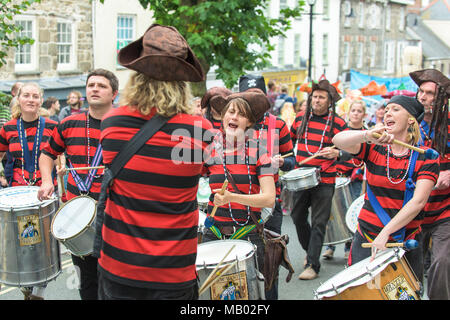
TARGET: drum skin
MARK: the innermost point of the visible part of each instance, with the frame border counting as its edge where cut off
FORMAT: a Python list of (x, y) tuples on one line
[(29, 254)]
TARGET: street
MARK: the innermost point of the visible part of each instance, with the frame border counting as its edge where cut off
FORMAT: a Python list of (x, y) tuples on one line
[(64, 287)]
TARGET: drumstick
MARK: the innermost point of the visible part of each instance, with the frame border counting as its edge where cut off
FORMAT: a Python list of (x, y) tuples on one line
[(209, 221), (312, 157), (408, 244), (86, 168), (429, 153), (217, 267), (61, 182), (287, 154), (224, 270)]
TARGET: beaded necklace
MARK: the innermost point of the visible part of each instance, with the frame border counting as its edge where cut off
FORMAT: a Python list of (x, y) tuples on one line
[(388, 170), (249, 179), (321, 139), (35, 146), (88, 133)]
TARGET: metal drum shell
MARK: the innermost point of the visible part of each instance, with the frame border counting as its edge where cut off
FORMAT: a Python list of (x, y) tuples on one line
[(337, 230), (301, 178), (82, 243), (245, 263), (32, 264)]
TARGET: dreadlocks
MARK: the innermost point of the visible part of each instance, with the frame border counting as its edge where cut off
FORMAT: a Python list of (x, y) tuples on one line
[(439, 120)]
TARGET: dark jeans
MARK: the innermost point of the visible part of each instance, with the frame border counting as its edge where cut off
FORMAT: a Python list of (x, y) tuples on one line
[(111, 290), (414, 257), (311, 237), (87, 273)]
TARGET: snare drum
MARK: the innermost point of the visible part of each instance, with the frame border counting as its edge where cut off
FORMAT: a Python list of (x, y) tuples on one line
[(387, 277), (301, 179), (73, 225), (351, 217), (29, 255), (241, 282), (203, 193)]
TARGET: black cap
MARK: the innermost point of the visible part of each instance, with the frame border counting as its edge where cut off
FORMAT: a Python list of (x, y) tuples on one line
[(249, 81), (412, 105)]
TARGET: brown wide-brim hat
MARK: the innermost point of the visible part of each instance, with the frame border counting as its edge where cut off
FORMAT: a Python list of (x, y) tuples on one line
[(328, 87), (214, 91), (256, 99), (431, 75), (162, 54)]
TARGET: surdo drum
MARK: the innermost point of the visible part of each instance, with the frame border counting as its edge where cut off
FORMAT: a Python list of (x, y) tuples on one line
[(301, 179), (29, 254), (387, 277), (351, 217), (73, 225), (241, 282)]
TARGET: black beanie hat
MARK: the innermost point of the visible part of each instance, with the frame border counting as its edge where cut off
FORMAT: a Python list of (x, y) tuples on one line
[(412, 105)]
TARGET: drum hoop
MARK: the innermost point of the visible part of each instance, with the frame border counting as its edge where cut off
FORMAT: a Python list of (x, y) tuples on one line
[(227, 261), (367, 272), (313, 171), (41, 204), (82, 230)]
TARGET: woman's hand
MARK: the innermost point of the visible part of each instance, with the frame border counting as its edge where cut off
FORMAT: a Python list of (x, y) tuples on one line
[(385, 138), (379, 244), (329, 153), (45, 191), (219, 199)]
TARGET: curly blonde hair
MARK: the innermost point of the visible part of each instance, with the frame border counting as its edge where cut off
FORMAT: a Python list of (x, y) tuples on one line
[(168, 97), (16, 112)]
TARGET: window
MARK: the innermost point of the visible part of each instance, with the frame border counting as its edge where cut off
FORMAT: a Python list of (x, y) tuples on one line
[(360, 55), (388, 18), (325, 49), (361, 15), (401, 19), (389, 56), (373, 54), (65, 45), (297, 49), (125, 30), (25, 54), (280, 51), (326, 9), (346, 56)]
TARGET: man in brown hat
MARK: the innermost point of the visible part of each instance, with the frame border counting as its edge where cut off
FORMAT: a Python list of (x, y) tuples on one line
[(311, 133), (433, 93), (149, 232)]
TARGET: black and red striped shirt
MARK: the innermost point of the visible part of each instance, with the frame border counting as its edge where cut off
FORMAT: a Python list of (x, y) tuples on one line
[(259, 165), (316, 129), (9, 140), (389, 195), (151, 217), (351, 168), (72, 137)]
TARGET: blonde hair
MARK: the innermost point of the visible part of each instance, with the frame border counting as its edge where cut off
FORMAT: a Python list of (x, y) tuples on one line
[(16, 111), (414, 135), (361, 102), (168, 97)]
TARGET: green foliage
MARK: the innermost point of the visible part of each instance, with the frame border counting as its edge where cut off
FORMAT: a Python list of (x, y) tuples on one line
[(5, 99), (231, 34), (8, 29)]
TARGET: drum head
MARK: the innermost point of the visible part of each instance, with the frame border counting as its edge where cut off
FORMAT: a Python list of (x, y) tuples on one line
[(204, 190), (351, 217), (73, 217), (211, 253), (298, 173), (359, 273), (21, 197)]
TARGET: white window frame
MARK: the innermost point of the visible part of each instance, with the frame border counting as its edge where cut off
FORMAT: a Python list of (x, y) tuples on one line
[(360, 55), (389, 57), (401, 19), (71, 64), (32, 64), (120, 36), (346, 55), (297, 49), (281, 48), (361, 15), (373, 53), (388, 18), (325, 46)]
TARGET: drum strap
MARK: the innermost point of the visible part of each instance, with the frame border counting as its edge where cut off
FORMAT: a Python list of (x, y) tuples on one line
[(29, 158), (409, 192), (123, 156)]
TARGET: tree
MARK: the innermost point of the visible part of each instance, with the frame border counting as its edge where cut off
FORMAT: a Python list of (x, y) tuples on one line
[(233, 35)]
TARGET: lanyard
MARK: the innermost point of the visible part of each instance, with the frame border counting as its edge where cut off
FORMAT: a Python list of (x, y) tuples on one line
[(85, 186), (30, 159)]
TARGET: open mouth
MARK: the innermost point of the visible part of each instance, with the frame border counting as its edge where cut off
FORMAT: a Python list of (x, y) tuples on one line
[(389, 123), (232, 126)]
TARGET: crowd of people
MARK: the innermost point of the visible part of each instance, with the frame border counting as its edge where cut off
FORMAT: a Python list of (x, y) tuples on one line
[(147, 235)]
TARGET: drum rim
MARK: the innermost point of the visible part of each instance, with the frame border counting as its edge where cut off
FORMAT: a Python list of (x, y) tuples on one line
[(38, 204), (81, 231), (226, 262), (348, 211), (287, 177), (392, 255)]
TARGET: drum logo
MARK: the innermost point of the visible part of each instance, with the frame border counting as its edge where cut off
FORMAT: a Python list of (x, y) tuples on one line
[(29, 230), (230, 287), (399, 289)]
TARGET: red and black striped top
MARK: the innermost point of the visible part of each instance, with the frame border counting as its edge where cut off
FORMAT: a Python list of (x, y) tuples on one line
[(151, 217), (71, 137), (314, 131), (437, 209), (349, 168), (9, 140), (259, 165), (280, 138), (389, 195)]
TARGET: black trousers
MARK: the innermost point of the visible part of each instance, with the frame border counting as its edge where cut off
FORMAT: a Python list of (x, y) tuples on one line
[(111, 290), (311, 236), (87, 273)]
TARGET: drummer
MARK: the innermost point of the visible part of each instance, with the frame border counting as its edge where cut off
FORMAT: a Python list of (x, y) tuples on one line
[(349, 167), (311, 134), (237, 158), (387, 173), (78, 137), (24, 137)]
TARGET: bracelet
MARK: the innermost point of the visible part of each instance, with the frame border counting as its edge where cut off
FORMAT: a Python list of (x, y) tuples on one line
[(365, 138)]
